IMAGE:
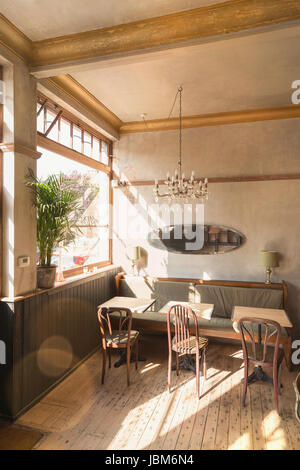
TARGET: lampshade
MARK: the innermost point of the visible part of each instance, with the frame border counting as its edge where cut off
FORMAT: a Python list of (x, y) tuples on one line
[(268, 259), (134, 252)]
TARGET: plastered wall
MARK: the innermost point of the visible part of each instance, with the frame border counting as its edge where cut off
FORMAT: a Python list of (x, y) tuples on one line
[(267, 213)]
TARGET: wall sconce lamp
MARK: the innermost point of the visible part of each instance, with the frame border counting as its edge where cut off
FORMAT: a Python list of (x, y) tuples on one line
[(134, 253), (119, 184), (268, 259)]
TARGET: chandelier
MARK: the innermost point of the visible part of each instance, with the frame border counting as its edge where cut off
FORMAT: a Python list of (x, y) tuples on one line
[(178, 186)]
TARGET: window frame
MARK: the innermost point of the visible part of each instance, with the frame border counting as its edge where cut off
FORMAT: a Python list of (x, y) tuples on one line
[(44, 141)]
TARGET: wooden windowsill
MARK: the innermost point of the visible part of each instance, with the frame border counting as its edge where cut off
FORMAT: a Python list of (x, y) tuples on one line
[(61, 285)]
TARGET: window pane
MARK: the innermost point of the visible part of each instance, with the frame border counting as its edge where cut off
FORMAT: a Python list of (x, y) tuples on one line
[(65, 132), (50, 116), (87, 144), (92, 244), (40, 122), (76, 138), (104, 152), (53, 134), (96, 149)]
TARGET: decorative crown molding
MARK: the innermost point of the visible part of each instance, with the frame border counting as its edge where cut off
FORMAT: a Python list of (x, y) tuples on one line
[(75, 90), (213, 119), (14, 40)]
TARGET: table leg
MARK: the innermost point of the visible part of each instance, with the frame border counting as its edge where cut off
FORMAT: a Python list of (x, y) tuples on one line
[(258, 375), (187, 363), (122, 359)]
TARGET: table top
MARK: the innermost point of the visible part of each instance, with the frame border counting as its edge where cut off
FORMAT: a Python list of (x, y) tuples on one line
[(136, 305), (201, 310), (265, 313)]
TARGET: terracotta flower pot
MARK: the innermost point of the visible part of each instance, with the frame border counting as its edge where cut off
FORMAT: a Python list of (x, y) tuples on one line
[(46, 276)]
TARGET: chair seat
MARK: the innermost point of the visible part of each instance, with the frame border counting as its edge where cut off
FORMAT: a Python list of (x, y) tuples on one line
[(189, 345), (122, 340), (259, 353)]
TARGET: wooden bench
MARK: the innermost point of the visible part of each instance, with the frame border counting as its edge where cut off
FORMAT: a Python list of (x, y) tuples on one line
[(223, 294)]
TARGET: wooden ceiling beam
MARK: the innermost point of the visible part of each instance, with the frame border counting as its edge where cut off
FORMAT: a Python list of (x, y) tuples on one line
[(215, 21), (222, 19)]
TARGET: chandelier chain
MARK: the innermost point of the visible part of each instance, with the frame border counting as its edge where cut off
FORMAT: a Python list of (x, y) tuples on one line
[(180, 131)]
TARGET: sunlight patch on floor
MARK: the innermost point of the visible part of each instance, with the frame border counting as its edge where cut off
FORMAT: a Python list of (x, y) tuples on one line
[(274, 433), (149, 367)]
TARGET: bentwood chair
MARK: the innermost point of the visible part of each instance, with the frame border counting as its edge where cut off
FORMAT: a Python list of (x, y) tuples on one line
[(261, 347), (123, 338), (183, 343)]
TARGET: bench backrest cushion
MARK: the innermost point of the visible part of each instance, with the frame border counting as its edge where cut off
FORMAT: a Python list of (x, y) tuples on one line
[(162, 291), (136, 287), (165, 291), (225, 298)]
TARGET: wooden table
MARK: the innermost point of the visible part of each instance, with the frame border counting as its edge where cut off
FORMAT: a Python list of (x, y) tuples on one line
[(278, 315), (202, 311), (265, 313), (134, 304)]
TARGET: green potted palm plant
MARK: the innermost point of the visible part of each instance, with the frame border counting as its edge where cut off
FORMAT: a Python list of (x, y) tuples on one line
[(58, 205)]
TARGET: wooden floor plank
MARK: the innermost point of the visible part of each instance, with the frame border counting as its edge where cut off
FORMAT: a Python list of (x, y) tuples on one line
[(234, 430), (80, 413), (221, 440), (211, 426), (203, 405), (287, 409), (254, 400)]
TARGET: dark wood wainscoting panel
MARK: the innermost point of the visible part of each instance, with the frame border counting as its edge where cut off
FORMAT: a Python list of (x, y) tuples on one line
[(47, 336)]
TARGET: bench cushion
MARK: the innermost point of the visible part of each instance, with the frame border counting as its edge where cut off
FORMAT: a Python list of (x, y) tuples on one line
[(163, 292), (225, 298)]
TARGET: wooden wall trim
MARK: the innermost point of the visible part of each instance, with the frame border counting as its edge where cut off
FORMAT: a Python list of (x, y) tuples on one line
[(70, 282), (67, 152), (68, 312), (261, 285), (212, 119), (17, 148), (198, 24), (217, 179)]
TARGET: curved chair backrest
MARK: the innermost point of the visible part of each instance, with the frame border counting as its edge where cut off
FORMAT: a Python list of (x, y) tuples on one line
[(181, 316), (270, 334), (123, 318)]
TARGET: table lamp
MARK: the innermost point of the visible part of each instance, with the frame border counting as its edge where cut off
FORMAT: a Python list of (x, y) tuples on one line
[(268, 259)]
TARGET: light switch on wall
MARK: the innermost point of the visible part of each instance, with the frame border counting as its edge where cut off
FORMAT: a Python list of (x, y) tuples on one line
[(23, 261)]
